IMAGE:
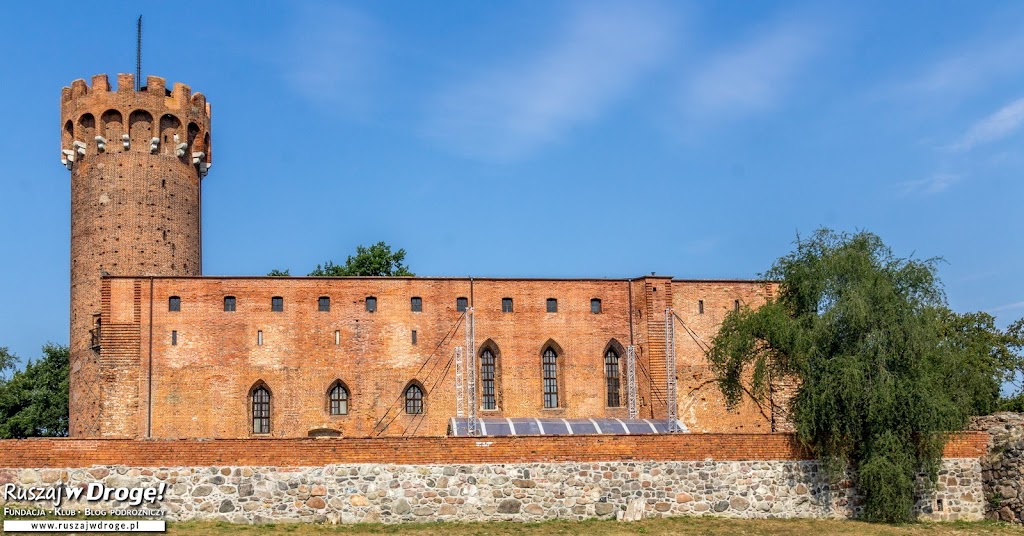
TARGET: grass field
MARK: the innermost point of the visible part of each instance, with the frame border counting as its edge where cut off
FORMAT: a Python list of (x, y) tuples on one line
[(680, 525)]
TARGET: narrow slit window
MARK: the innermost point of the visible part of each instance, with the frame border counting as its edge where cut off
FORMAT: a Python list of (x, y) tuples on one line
[(229, 304), (736, 305), (414, 337), (323, 304), (414, 400), (174, 304), (337, 337), (506, 305), (259, 337), (552, 305), (461, 304), (371, 304), (174, 337), (277, 304), (700, 307), (416, 304), (487, 368), (595, 306), (261, 411)]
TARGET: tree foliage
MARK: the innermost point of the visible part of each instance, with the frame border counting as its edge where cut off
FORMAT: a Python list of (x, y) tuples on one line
[(34, 401), (279, 273), (376, 260), (884, 369)]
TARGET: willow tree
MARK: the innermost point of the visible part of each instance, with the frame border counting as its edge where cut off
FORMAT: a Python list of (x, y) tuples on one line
[(884, 370)]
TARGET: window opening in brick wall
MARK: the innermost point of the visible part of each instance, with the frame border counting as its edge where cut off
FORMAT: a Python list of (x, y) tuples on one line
[(261, 411), (371, 304), (337, 337), (611, 372), (595, 306), (174, 337), (414, 337), (323, 304), (700, 307), (229, 304), (506, 305), (277, 304), (736, 305), (552, 305), (461, 304), (416, 304), (487, 366), (259, 337), (550, 378), (339, 399), (414, 400), (174, 303)]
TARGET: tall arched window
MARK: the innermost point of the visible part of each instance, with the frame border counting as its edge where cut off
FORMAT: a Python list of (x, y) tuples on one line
[(338, 396), (550, 378), (611, 373), (261, 410), (487, 362), (414, 399)]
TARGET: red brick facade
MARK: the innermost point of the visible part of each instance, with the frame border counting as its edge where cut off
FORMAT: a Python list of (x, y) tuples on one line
[(140, 369), (61, 453)]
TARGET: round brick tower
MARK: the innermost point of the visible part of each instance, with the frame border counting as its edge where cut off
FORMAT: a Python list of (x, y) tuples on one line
[(136, 159)]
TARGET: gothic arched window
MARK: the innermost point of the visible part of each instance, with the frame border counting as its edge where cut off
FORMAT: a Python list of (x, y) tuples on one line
[(550, 363), (487, 366), (611, 373), (414, 399)]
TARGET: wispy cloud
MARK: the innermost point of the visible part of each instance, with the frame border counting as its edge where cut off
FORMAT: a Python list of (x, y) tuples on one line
[(1007, 307), (936, 183), (975, 65), (330, 55), (994, 127), (754, 75), (512, 110)]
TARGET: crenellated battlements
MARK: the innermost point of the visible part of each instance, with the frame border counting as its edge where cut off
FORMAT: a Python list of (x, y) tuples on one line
[(98, 119)]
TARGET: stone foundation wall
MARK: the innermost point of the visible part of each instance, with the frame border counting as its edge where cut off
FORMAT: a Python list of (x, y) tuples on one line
[(348, 493), (1003, 466)]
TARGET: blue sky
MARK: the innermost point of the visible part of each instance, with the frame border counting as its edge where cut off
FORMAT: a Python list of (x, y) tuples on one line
[(546, 139)]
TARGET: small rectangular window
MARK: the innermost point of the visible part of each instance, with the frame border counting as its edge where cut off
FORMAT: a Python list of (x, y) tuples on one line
[(277, 304), (506, 305), (323, 304), (337, 337), (259, 337), (174, 303), (229, 304), (552, 305), (595, 306), (700, 307), (414, 337), (371, 304), (416, 304), (461, 304), (736, 306), (174, 338)]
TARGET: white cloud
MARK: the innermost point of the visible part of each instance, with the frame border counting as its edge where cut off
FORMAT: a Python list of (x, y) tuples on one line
[(754, 75), (975, 66), (330, 55), (509, 111), (936, 183), (1007, 307), (996, 126)]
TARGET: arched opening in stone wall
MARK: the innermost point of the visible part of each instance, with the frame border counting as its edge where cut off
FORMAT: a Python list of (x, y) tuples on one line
[(113, 127), (140, 126), (170, 127), (87, 129), (68, 135), (193, 134), (489, 372), (614, 378)]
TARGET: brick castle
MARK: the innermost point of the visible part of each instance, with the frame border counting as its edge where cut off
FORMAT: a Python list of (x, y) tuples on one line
[(158, 350)]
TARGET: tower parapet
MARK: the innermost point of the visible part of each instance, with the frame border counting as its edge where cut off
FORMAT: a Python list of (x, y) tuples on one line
[(137, 159)]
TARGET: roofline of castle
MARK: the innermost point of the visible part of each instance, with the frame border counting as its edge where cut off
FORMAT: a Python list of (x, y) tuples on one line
[(438, 278)]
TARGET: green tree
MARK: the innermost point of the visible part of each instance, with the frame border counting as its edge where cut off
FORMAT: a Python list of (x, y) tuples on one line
[(884, 369), (376, 260), (279, 273), (34, 401)]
